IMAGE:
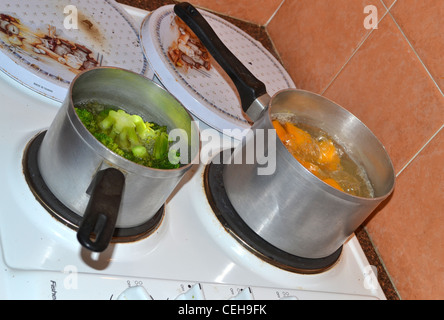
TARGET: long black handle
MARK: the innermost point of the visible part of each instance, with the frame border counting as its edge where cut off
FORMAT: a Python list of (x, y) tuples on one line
[(249, 87), (99, 221)]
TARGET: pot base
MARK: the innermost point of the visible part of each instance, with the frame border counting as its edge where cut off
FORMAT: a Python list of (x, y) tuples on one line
[(236, 227), (63, 214)]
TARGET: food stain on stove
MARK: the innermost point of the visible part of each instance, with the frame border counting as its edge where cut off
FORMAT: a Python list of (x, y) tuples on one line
[(47, 44), (187, 51), (90, 28), (88, 23)]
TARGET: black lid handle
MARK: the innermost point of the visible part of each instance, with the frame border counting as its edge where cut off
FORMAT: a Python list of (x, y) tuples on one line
[(249, 87)]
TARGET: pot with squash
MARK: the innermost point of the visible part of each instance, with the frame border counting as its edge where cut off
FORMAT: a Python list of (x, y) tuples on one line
[(331, 171)]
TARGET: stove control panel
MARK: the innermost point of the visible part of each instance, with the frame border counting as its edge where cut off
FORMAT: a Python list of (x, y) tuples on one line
[(177, 290), (71, 286), (206, 291)]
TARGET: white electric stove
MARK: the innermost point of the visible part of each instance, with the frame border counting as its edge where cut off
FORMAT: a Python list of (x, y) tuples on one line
[(191, 254)]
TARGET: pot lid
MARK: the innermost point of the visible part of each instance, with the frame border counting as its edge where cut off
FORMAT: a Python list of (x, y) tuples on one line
[(206, 90), (44, 44)]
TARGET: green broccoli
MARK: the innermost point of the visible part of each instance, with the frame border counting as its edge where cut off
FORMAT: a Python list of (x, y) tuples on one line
[(108, 142), (161, 146), (165, 163), (140, 152), (129, 136), (87, 119)]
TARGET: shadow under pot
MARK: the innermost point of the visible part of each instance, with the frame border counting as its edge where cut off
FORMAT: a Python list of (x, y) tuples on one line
[(104, 188)]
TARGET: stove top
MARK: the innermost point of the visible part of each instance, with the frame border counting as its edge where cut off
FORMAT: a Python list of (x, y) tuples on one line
[(191, 254)]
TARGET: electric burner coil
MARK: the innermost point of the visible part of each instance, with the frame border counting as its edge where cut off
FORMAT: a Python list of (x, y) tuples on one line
[(65, 215), (236, 227)]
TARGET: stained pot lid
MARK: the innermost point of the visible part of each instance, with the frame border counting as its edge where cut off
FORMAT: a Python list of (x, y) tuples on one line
[(209, 94), (44, 44)]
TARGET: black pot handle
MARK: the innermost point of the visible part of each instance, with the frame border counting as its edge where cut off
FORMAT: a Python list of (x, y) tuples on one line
[(249, 87), (99, 221)]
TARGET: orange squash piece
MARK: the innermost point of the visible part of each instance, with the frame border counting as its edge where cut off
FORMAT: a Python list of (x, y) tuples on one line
[(280, 131), (298, 136), (333, 183), (328, 155), (314, 169)]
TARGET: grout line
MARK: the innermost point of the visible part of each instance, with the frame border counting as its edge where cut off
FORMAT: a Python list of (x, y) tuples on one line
[(391, 6), (346, 62), (382, 262), (354, 52), (431, 77), (274, 13), (420, 150), (416, 54), (274, 47)]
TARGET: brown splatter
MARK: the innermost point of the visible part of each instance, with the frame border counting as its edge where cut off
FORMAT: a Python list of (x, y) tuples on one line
[(90, 28)]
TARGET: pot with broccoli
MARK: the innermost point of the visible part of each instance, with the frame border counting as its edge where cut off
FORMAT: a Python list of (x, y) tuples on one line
[(114, 119)]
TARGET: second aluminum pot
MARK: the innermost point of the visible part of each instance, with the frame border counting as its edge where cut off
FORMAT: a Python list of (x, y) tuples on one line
[(291, 208), (71, 160)]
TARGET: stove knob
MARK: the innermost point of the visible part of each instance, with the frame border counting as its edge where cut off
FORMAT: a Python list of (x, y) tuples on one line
[(194, 293), (135, 293), (245, 294)]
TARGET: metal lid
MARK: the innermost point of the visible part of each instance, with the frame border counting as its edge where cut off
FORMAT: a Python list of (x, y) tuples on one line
[(209, 94)]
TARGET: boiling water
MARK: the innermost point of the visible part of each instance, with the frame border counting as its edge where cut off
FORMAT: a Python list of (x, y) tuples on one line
[(350, 176)]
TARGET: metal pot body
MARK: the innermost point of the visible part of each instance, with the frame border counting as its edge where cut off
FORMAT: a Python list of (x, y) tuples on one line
[(70, 157), (291, 208)]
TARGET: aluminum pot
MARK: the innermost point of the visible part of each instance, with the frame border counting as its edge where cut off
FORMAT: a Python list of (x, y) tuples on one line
[(72, 161), (291, 208)]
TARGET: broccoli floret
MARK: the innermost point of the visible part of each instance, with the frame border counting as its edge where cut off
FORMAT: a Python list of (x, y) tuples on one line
[(140, 152), (130, 130), (123, 126), (102, 114), (108, 142), (161, 146), (87, 119), (164, 162), (145, 143)]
